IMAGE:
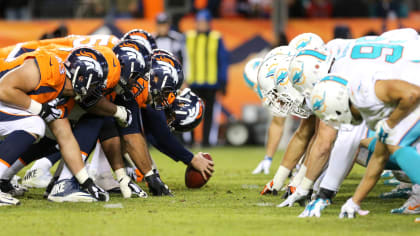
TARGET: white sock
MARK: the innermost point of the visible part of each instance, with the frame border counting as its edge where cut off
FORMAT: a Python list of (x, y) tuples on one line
[(66, 173), (299, 176), (43, 163), (280, 177), (12, 170)]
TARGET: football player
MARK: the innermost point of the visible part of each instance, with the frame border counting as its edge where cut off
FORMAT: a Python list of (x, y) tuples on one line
[(385, 94)]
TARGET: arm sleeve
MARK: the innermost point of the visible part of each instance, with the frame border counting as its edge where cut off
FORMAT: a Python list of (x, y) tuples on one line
[(223, 63), (159, 135)]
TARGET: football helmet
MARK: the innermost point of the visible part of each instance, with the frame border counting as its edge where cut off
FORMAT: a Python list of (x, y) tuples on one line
[(306, 41), (280, 51), (142, 36), (161, 54), (187, 111), (135, 61), (87, 69), (330, 101), (250, 74), (164, 81), (308, 67)]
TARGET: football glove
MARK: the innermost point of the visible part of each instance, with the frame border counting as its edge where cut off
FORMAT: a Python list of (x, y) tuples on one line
[(129, 188), (123, 116), (97, 192), (268, 189), (263, 167), (298, 196), (157, 187), (49, 111), (315, 207), (349, 210)]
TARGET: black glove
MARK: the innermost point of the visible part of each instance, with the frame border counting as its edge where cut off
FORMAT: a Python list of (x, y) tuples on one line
[(157, 187), (123, 116), (50, 112), (97, 192)]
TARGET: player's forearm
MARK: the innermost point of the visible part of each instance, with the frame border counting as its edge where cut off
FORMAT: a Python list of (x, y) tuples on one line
[(15, 97), (275, 133), (69, 148), (407, 104), (373, 173), (103, 108)]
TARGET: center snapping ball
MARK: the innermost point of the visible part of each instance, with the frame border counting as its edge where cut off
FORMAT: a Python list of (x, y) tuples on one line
[(193, 178)]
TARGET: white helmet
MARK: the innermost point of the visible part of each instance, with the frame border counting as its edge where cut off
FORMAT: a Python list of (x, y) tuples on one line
[(306, 40), (251, 73), (308, 67), (267, 83), (280, 51), (292, 102), (330, 101)]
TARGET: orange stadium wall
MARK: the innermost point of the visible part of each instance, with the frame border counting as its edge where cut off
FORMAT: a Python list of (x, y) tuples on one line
[(235, 33)]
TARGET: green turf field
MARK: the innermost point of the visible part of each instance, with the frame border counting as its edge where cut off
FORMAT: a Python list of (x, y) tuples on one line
[(229, 204)]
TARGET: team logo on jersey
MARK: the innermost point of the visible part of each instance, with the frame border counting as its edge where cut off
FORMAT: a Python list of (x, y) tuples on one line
[(282, 77), (319, 103)]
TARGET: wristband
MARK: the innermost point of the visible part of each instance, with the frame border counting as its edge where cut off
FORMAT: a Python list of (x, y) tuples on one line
[(34, 107)]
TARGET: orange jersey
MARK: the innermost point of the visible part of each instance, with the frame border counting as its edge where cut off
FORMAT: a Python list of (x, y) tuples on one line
[(72, 41), (51, 69)]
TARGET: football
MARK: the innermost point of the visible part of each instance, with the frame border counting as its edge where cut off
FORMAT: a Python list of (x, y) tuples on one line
[(193, 178)]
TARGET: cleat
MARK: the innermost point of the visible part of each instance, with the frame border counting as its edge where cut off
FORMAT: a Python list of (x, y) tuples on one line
[(37, 178), (289, 191), (392, 182), (7, 200), (401, 191), (412, 205), (387, 174), (69, 190), (7, 187)]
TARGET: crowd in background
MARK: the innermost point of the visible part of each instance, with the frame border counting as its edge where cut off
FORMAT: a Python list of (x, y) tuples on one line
[(27, 9)]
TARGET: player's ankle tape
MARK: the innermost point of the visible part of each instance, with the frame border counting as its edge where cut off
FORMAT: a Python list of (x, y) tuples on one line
[(82, 175)]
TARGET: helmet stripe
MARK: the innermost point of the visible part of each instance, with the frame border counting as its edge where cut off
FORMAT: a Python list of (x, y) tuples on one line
[(313, 53), (336, 79)]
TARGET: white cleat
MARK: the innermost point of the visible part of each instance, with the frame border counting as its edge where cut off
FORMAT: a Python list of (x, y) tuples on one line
[(37, 178), (412, 205), (69, 190), (263, 167), (7, 200)]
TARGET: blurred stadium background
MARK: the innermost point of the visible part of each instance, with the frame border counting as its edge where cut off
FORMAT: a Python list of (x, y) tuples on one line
[(248, 27)]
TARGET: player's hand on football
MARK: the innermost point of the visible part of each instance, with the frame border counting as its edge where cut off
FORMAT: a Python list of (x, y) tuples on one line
[(315, 207), (350, 209), (203, 165), (50, 112), (157, 187), (97, 192), (123, 116), (129, 188), (298, 196)]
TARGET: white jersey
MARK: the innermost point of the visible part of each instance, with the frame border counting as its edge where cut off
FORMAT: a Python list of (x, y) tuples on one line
[(364, 61)]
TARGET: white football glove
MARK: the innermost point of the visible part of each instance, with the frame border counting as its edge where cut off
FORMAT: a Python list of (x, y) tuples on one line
[(263, 167), (315, 207), (298, 196), (350, 208), (128, 188), (123, 116), (383, 132)]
